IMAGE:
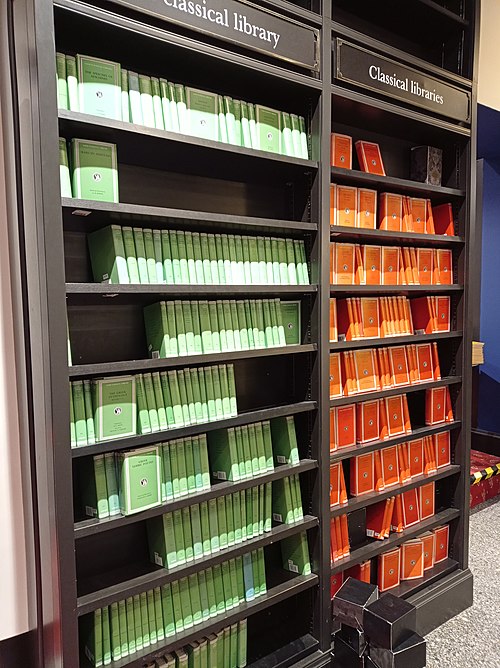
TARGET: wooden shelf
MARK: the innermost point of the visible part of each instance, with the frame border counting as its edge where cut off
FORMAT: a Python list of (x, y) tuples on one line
[(409, 587), (393, 340), (342, 233), (410, 290)]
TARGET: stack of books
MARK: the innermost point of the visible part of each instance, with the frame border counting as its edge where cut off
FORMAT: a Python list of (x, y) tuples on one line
[(103, 88), (339, 538), (177, 257), (400, 512)]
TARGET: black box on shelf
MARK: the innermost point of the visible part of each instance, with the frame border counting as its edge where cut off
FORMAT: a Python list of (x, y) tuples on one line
[(350, 601), (411, 653), (389, 621), (345, 656), (355, 638), (427, 165)]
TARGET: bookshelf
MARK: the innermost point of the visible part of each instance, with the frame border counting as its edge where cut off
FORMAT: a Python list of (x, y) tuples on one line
[(170, 180)]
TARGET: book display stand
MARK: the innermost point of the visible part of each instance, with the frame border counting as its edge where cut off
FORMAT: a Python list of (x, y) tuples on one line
[(280, 361)]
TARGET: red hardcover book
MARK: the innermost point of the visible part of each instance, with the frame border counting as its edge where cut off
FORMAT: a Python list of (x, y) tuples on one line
[(369, 157), (443, 219)]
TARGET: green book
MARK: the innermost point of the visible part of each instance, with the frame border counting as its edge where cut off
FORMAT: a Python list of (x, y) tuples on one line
[(93, 643), (231, 244), (303, 138), (255, 336), (72, 417), (180, 545), (269, 261), (261, 451), (79, 412), (115, 412), (203, 392), (256, 574), (268, 445), (298, 261), (235, 324), (190, 471), (240, 455), (233, 644), (291, 318), (298, 495), (232, 389), (224, 383), (151, 402), (174, 114), (248, 321), (112, 484), (138, 623), (181, 463), (187, 317), (202, 113), (202, 586), (249, 513), (180, 329), (130, 624), (193, 652), (283, 262), (183, 257), (196, 531), (195, 316), (157, 107), (130, 255), (140, 253), (305, 269), (243, 510), (287, 141), (297, 146), (161, 541), (107, 255), (254, 135), (223, 454), (242, 644), (219, 415), (268, 323), (212, 601), (219, 589), (124, 96), (191, 265), (194, 592), (228, 324), (214, 265), (229, 519), (62, 85), (239, 579), (198, 482), (282, 502), (160, 406), (234, 582), (254, 453), (150, 256), (248, 578), (114, 619), (184, 398), (197, 398), (209, 384), (160, 626), (245, 126), (148, 114), (134, 96), (261, 563), (142, 406), (181, 659), (198, 259), (72, 81), (235, 502), (240, 267), (260, 323), (151, 617), (268, 506), (227, 653), (139, 479), (222, 522), (166, 105), (214, 525), (237, 122), (94, 170), (204, 462), (205, 529), (205, 254), (187, 612), (254, 260), (246, 259), (174, 465), (176, 604), (64, 175), (276, 261), (213, 646), (106, 636), (230, 119), (188, 534), (146, 637), (99, 87), (281, 324), (167, 485), (268, 128), (158, 256), (167, 610), (242, 323), (180, 96), (261, 254), (174, 251), (295, 502), (226, 584), (291, 264), (214, 326), (295, 554), (219, 254), (222, 120), (226, 259)]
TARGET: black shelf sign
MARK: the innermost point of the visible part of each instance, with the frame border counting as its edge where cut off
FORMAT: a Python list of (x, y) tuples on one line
[(382, 75), (241, 23)]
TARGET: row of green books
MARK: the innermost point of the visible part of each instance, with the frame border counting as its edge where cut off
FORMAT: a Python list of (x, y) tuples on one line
[(178, 328), (91, 172), (177, 257), (107, 408), (200, 530), (153, 616), (103, 88)]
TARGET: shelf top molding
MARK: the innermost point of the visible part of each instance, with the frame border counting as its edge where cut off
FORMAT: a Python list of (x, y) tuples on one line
[(399, 289), (388, 237), (393, 340)]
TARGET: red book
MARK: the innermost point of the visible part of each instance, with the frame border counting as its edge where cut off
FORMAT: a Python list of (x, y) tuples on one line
[(369, 157), (443, 219), (388, 569), (375, 516), (336, 582), (422, 315), (411, 514)]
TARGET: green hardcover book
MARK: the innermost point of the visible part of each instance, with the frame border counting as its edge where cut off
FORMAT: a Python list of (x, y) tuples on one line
[(146, 637), (249, 513), (226, 584), (223, 454), (158, 330), (238, 243), (140, 252), (188, 236), (282, 502), (194, 383), (228, 324), (255, 323), (151, 402), (268, 445), (243, 509), (295, 554), (203, 391), (173, 383), (246, 260), (194, 592), (183, 257), (237, 122), (235, 324), (254, 136), (79, 412), (261, 564), (298, 494), (205, 254), (174, 465), (205, 326), (214, 265), (239, 579), (283, 262), (130, 255), (150, 598), (233, 263), (280, 321), (72, 417), (290, 258), (305, 269), (198, 482), (248, 577), (193, 652), (212, 601), (167, 610), (166, 105), (94, 170), (297, 146), (99, 87), (233, 505), (190, 471), (198, 259), (214, 525), (222, 120), (179, 537), (142, 406), (62, 85), (114, 401), (185, 328), (275, 308), (268, 507), (107, 255), (160, 406), (145, 88), (72, 83), (254, 453), (209, 384), (195, 316), (260, 323), (214, 326), (138, 623), (222, 333), (224, 384), (261, 255), (202, 586), (269, 261), (160, 278), (245, 126), (167, 399), (232, 389), (222, 522), (242, 324), (190, 396), (268, 128), (180, 96), (181, 659), (295, 502), (262, 496), (130, 624), (287, 142), (177, 607), (242, 644), (134, 96), (157, 107), (221, 272), (124, 96), (205, 528), (290, 315), (268, 323), (226, 646), (255, 510), (240, 455), (187, 612), (174, 252), (233, 645), (93, 642), (201, 462), (161, 541), (303, 138), (226, 259), (188, 533), (229, 513), (184, 398), (256, 573), (150, 256), (219, 415), (276, 261), (248, 320), (181, 463), (197, 537), (139, 479), (230, 120), (64, 175), (106, 636), (261, 451), (174, 114), (202, 113), (160, 625), (298, 261), (212, 655), (112, 484)]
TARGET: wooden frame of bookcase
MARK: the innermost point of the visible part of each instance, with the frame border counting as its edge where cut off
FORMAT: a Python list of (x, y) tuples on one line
[(31, 46)]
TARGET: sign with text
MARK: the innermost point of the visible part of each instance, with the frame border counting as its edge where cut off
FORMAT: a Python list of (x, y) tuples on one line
[(241, 23), (385, 76)]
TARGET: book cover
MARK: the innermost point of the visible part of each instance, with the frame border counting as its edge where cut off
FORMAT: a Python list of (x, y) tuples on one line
[(130, 255), (268, 128), (72, 81), (94, 170), (291, 318), (134, 95), (99, 87), (139, 479), (166, 105), (151, 402), (157, 106), (114, 401)]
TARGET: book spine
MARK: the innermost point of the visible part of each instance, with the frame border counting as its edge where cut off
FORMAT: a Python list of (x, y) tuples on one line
[(151, 403), (174, 113), (180, 96), (134, 98), (72, 418), (62, 86), (101, 487), (232, 390), (72, 81), (140, 252), (174, 251), (111, 484), (148, 115), (160, 276), (157, 105), (89, 412), (142, 406), (79, 411)]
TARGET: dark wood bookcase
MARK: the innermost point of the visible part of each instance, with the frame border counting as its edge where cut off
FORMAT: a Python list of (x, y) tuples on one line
[(173, 180)]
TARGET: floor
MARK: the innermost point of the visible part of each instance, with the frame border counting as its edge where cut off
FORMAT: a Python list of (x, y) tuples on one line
[(471, 638)]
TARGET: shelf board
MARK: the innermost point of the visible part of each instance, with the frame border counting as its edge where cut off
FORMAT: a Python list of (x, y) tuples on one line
[(376, 547), (111, 368), (357, 502), (156, 576), (295, 651), (393, 391), (363, 448), (399, 289), (75, 123), (247, 417), (91, 527), (393, 184), (393, 340), (443, 12), (279, 592), (409, 587), (387, 237), (86, 215)]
